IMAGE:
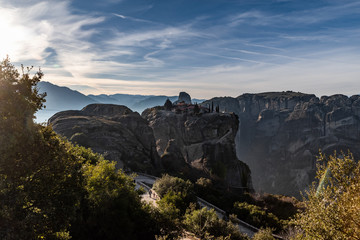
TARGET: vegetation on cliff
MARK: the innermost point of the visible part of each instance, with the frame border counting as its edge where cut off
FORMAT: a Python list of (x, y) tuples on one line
[(50, 189), (332, 204)]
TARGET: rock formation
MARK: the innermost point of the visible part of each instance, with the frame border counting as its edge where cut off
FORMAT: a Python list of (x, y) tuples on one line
[(200, 144), (183, 97), (280, 134), (112, 130)]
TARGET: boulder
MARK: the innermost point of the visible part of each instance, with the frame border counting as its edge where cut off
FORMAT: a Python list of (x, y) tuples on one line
[(112, 130)]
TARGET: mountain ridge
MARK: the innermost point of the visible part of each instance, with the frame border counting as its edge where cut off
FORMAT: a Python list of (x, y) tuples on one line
[(63, 98)]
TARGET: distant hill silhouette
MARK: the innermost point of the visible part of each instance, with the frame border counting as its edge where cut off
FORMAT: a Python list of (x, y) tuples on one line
[(137, 103), (63, 98), (59, 99), (152, 101)]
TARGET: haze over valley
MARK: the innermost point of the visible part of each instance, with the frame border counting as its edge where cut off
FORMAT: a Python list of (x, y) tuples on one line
[(168, 120)]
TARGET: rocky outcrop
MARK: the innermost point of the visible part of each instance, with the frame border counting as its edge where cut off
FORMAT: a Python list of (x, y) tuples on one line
[(199, 144), (112, 130), (183, 97), (190, 143), (280, 135)]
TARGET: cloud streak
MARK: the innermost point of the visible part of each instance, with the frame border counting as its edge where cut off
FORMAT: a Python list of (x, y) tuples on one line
[(252, 50)]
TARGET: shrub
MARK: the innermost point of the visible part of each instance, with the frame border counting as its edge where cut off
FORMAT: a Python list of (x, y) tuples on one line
[(205, 224), (332, 204), (263, 234), (175, 190), (256, 216)]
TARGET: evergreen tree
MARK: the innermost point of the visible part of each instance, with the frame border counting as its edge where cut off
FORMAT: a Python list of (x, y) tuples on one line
[(196, 108), (168, 105)]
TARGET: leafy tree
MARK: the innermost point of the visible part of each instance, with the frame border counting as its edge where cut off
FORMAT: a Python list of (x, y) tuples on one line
[(40, 195), (50, 189), (256, 216), (31, 157), (19, 100), (332, 204), (263, 234), (206, 224), (111, 209), (175, 188)]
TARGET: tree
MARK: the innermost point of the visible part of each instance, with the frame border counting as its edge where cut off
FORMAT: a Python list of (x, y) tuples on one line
[(332, 204), (175, 191), (206, 224), (256, 216), (263, 234), (168, 105), (196, 108), (40, 195), (111, 208), (19, 100), (50, 189)]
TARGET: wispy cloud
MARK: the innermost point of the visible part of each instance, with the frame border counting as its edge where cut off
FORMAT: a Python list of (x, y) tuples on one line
[(253, 50), (147, 38), (303, 17), (134, 19)]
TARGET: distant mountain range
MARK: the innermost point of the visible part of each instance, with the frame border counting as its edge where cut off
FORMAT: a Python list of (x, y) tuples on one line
[(63, 98)]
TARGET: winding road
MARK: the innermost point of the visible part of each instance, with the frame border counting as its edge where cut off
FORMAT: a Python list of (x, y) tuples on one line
[(143, 180)]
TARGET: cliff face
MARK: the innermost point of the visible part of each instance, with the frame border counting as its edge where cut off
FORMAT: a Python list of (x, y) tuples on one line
[(281, 133), (112, 130), (200, 144), (195, 145)]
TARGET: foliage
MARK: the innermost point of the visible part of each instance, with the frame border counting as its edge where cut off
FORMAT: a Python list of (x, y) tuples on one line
[(19, 100), (32, 157), (332, 206), (196, 108), (263, 234), (169, 216), (111, 209), (41, 193), (256, 216), (283, 207), (168, 105), (175, 191), (205, 224), (50, 189), (204, 182)]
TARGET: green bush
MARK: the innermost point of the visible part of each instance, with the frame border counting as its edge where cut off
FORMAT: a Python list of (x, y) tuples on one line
[(263, 234), (256, 216), (176, 191), (332, 204), (205, 224)]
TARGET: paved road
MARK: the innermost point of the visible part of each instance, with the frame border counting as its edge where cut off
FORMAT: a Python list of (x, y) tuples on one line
[(141, 179)]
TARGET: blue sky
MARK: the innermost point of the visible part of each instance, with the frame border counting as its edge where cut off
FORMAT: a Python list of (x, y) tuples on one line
[(205, 47)]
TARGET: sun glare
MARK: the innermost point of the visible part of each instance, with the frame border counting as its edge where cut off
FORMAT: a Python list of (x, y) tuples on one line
[(14, 37), (9, 34)]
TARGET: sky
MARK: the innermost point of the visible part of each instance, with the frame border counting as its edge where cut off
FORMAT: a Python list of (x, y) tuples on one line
[(207, 48)]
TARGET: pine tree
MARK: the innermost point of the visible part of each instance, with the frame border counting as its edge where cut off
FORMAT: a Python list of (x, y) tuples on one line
[(168, 105)]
